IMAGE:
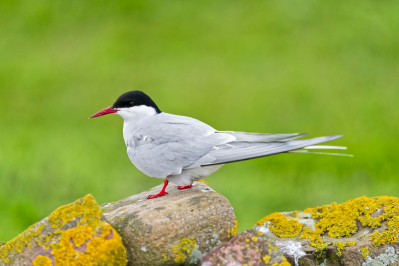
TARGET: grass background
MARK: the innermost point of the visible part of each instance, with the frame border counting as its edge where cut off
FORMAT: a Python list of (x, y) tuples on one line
[(259, 66)]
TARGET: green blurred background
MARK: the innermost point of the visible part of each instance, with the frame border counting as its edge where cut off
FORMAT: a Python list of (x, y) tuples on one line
[(329, 67)]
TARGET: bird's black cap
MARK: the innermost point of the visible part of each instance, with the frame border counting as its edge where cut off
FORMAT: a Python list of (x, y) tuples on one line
[(135, 98)]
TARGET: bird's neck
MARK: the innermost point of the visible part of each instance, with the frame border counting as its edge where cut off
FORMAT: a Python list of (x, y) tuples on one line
[(134, 118)]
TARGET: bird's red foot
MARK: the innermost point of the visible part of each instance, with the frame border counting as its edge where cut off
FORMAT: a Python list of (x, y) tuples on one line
[(160, 194), (185, 187)]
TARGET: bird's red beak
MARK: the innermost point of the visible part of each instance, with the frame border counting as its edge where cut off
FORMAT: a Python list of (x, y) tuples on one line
[(108, 110)]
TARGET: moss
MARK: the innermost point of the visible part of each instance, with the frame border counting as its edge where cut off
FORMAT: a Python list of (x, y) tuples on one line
[(365, 251), (281, 225), (184, 249)]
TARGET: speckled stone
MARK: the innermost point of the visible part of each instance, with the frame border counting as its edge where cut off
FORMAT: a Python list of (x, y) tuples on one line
[(248, 248), (177, 228)]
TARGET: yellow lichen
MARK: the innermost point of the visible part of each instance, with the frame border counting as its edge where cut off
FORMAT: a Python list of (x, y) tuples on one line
[(285, 262), (281, 225), (79, 235), (320, 246), (342, 245), (89, 241), (233, 231), (254, 238), (19, 243), (184, 249), (271, 248), (42, 261), (99, 250), (339, 220), (203, 181), (390, 235), (79, 208), (266, 259), (164, 257), (365, 251)]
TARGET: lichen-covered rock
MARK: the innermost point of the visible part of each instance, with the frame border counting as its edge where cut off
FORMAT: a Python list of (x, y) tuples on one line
[(177, 228), (362, 231), (248, 248), (74, 234)]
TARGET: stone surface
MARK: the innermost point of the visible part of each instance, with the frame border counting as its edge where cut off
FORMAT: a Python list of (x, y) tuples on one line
[(248, 248), (363, 231), (74, 234), (177, 228)]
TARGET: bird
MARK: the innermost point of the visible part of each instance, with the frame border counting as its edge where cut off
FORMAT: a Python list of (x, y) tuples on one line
[(182, 149)]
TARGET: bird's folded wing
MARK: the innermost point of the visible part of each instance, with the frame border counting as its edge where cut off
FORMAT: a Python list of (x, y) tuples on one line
[(239, 150), (262, 137)]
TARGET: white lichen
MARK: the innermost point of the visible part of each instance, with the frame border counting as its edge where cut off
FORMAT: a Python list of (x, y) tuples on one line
[(390, 257), (324, 263), (263, 229), (306, 219), (292, 249), (195, 255), (215, 240)]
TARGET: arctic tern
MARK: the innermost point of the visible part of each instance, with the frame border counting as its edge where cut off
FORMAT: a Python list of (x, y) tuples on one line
[(182, 149)]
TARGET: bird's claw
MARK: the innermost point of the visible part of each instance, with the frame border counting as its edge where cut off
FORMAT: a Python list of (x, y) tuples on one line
[(160, 194), (185, 187)]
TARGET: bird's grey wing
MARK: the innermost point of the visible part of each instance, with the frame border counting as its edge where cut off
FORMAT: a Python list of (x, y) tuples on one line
[(170, 143), (262, 137), (240, 150)]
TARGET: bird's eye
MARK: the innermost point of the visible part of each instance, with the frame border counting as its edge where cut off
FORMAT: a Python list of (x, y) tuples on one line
[(131, 103)]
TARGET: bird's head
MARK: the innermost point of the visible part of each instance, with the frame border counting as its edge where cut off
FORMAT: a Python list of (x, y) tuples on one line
[(130, 105)]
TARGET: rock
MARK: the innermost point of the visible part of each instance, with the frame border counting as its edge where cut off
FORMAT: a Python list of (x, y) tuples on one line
[(177, 228), (74, 234), (248, 248), (362, 231)]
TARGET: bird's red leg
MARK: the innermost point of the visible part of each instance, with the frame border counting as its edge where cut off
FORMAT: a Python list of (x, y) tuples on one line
[(184, 187), (162, 193)]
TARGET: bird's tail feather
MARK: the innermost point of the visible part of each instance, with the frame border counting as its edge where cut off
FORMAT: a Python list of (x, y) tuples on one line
[(262, 137), (323, 153), (242, 150)]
